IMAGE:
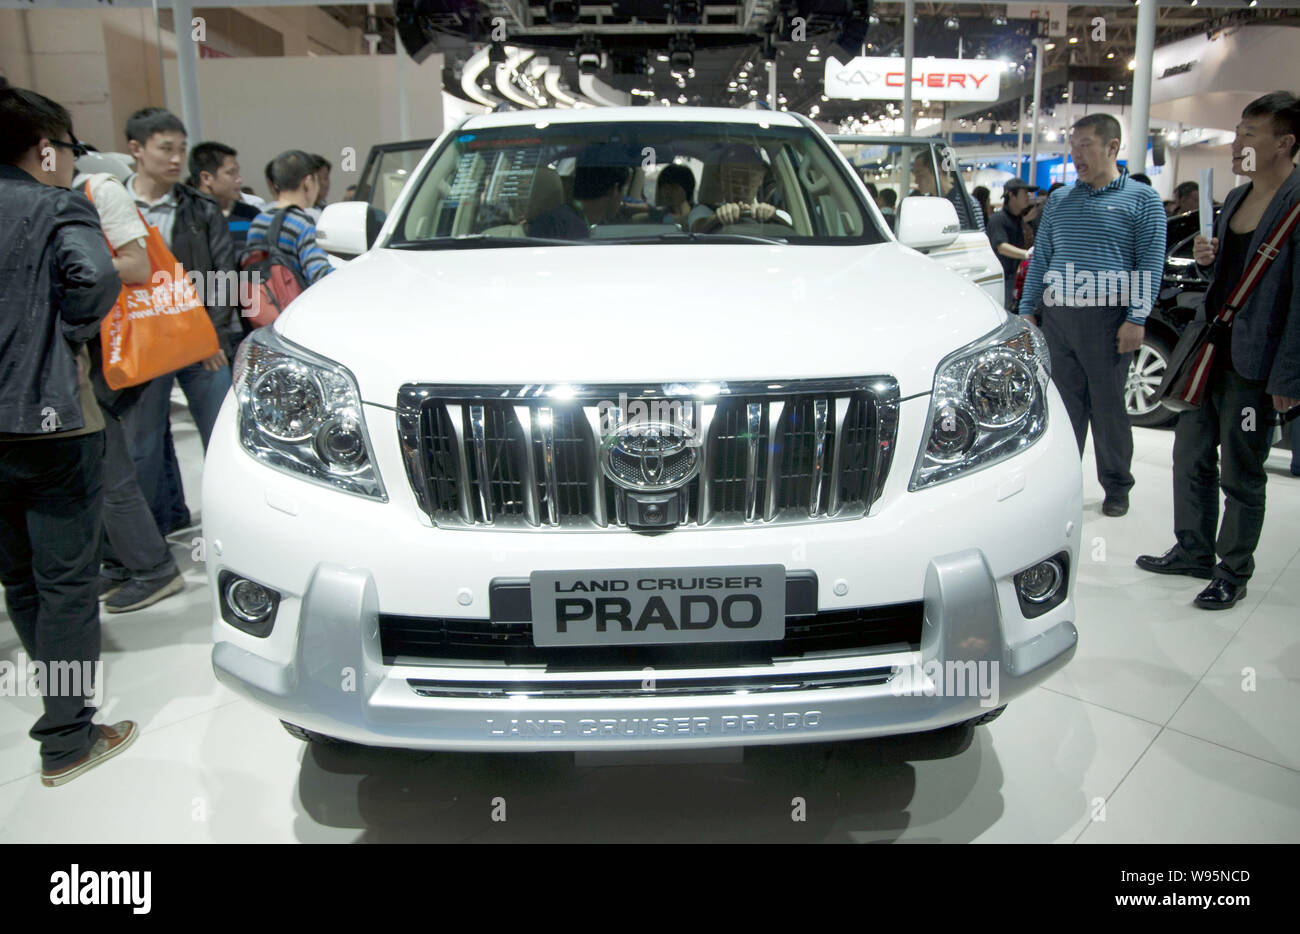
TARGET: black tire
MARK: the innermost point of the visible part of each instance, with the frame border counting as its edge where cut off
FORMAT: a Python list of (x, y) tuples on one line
[(986, 718), (307, 736), (1144, 375)]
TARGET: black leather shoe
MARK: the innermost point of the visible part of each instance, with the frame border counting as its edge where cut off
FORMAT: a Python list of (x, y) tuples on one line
[(1220, 595), (1172, 563), (1114, 506)]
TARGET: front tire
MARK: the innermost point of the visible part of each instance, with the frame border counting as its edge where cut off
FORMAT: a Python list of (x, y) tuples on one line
[(986, 718), (1144, 376), (307, 736)]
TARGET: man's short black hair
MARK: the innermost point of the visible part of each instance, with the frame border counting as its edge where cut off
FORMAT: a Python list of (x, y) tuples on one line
[(1185, 189), (209, 157), (147, 121), (1284, 109), (680, 176), (25, 119), (1142, 177), (594, 181), (320, 162), (889, 197), (287, 170), (1104, 125)]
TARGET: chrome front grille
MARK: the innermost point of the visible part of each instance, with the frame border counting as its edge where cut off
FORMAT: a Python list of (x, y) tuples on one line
[(528, 457)]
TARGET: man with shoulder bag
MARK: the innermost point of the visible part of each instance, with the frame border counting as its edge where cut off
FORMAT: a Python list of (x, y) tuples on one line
[(57, 282), (1239, 361)]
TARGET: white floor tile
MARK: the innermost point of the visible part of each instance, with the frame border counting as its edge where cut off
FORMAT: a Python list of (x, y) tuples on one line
[(1186, 790)]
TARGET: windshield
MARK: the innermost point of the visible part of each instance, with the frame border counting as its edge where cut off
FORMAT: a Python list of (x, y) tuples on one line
[(652, 182)]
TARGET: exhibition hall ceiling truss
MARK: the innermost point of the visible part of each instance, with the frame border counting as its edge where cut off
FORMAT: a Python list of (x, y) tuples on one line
[(565, 53)]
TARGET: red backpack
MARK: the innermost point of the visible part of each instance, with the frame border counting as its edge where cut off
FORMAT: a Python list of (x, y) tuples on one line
[(276, 277)]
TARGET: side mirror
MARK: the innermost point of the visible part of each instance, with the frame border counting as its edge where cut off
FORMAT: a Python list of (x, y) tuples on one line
[(925, 223), (342, 228)]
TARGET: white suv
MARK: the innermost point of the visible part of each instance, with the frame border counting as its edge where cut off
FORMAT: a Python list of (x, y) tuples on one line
[(552, 467)]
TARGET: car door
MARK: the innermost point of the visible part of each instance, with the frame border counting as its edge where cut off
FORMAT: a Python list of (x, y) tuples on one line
[(928, 167)]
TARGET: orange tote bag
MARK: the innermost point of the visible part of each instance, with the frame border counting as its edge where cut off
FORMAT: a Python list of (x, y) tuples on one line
[(157, 327)]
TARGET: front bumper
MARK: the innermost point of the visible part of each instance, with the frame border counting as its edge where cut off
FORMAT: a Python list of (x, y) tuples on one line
[(338, 685), (340, 561)]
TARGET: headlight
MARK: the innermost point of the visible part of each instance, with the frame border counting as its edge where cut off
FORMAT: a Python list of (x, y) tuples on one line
[(989, 402), (301, 413)]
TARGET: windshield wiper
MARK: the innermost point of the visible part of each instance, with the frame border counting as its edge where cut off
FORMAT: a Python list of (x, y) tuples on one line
[(478, 240), (683, 236)]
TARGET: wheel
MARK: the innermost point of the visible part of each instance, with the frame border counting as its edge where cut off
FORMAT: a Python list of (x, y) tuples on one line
[(307, 736), (986, 718), (1144, 376)]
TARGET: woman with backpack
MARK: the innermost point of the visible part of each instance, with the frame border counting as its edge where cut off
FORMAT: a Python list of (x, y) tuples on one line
[(281, 245)]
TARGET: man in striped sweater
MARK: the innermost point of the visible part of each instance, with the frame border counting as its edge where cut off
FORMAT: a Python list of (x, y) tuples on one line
[(1098, 259), (292, 175)]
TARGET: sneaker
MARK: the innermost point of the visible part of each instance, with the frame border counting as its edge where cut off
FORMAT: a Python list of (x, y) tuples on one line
[(112, 740), (109, 586), (1115, 506), (137, 594)]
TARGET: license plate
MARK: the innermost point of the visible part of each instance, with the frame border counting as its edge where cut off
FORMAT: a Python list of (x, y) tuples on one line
[(659, 606)]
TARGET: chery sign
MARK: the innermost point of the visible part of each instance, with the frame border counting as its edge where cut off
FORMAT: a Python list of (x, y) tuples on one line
[(933, 79)]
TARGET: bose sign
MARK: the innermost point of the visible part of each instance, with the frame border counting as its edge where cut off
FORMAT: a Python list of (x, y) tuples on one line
[(933, 79)]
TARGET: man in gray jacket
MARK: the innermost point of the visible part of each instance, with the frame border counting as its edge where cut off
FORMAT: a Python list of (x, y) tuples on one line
[(1224, 443), (57, 282)]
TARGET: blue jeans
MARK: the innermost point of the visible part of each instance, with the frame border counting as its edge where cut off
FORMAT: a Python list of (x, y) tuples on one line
[(149, 438)]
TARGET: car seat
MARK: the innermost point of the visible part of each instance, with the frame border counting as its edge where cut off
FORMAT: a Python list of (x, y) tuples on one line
[(546, 194)]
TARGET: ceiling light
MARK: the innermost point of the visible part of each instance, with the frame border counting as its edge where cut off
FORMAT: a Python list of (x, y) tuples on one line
[(753, 93), (1050, 46), (1074, 40), (661, 57), (999, 20), (952, 22), (1132, 64), (681, 98)]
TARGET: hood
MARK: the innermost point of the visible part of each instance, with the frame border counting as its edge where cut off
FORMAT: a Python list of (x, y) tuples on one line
[(632, 313)]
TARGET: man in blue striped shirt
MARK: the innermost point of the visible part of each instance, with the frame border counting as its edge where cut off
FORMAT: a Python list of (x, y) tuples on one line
[(1098, 260)]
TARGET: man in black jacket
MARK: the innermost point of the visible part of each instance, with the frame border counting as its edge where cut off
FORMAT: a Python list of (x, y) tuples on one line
[(57, 282), (195, 230), (1224, 443)]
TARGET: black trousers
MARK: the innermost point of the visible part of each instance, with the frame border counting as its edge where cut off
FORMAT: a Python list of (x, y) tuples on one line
[(133, 546), (51, 495), (1223, 445), (1090, 374)]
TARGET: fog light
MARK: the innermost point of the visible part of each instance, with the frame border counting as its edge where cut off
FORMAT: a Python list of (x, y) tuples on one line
[(249, 601), (1041, 582)]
